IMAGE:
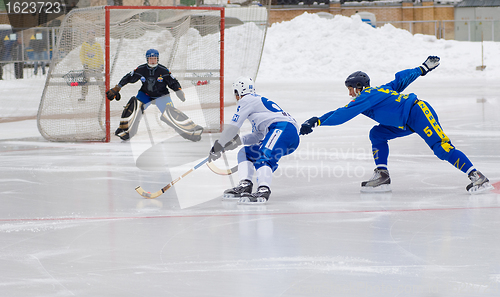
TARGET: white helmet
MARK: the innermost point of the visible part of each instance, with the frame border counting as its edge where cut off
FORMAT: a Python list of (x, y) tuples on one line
[(243, 86)]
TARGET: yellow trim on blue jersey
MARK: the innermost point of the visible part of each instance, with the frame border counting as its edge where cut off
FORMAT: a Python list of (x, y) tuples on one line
[(457, 164), (445, 141)]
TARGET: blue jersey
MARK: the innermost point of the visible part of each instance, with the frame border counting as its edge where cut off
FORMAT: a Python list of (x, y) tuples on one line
[(384, 104)]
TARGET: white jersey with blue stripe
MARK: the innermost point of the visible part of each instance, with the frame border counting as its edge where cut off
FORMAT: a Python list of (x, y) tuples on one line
[(261, 112)]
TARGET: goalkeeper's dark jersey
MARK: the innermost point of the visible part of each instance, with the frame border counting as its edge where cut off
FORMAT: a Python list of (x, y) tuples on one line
[(154, 80)]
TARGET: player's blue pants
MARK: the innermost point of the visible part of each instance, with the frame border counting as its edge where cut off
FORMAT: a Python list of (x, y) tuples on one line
[(422, 120), (161, 102), (281, 140)]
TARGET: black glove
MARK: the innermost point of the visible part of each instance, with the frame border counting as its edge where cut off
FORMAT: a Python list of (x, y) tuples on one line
[(114, 93), (307, 126), (429, 64), (233, 143), (215, 152)]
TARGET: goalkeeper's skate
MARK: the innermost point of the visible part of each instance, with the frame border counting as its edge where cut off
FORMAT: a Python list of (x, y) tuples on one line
[(259, 197), (245, 186), (480, 183), (379, 182)]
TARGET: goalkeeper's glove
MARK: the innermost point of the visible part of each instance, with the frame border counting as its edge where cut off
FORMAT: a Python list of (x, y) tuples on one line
[(180, 95), (215, 152), (307, 126), (114, 93), (429, 64)]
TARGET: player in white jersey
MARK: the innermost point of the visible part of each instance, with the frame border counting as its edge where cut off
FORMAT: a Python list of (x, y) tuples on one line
[(274, 135)]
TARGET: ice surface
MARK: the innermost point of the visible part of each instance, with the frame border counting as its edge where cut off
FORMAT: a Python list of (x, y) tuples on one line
[(71, 223)]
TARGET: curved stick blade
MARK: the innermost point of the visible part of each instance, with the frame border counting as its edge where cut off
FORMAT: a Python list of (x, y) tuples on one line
[(148, 195), (219, 171)]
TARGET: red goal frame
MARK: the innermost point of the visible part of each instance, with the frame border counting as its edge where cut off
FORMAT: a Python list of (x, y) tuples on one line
[(107, 55)]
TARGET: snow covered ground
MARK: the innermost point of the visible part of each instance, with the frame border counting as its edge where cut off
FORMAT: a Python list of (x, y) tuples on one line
[(71, 223)]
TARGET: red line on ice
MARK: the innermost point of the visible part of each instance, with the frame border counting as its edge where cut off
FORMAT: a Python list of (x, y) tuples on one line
[(243, 214)]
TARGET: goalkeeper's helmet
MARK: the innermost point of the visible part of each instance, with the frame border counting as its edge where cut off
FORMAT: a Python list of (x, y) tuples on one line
[(358, 80), (243, 86), (152, 53)]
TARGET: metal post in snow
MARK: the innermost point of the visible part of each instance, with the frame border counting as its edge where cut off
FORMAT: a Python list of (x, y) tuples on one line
[(468, 28)]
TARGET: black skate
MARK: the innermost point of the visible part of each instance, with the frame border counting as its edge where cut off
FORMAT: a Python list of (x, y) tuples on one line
[(122, 134), (379, 182), (259, 197), (245, 186), (479, 183)]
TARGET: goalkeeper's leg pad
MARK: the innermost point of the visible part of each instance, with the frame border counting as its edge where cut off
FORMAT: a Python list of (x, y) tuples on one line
[(131, 116), (181, 123)]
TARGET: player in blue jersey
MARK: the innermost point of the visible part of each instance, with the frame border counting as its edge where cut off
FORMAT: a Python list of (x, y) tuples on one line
[(274, 134), (399, 115)]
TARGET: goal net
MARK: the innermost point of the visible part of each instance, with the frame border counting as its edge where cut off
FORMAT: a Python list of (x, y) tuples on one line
[(97, 46)]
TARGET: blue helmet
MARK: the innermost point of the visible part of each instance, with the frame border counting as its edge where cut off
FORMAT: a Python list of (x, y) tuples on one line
[(152, 53), (358, 80)]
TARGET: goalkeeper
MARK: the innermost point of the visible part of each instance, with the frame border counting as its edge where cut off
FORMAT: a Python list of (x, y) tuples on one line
[(155, 78), (399, 115)]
